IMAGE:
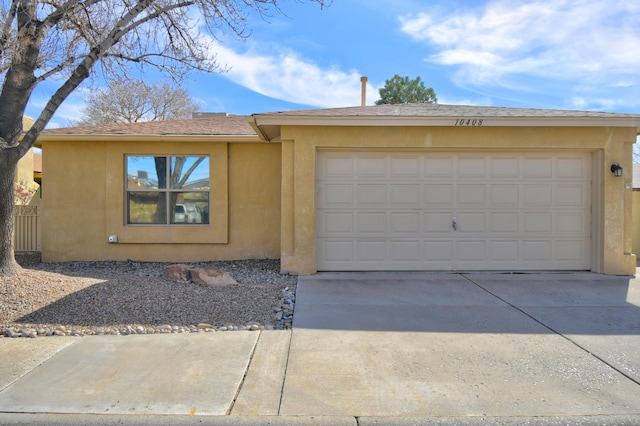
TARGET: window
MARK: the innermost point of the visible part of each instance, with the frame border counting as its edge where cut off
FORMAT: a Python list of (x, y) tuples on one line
[(167, 190)]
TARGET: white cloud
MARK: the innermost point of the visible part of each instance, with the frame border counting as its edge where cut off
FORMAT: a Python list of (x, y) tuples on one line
[(286, 76), (591, 45)]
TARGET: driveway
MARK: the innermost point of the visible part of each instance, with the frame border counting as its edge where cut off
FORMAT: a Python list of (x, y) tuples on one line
[(366, 349), (483, 344)]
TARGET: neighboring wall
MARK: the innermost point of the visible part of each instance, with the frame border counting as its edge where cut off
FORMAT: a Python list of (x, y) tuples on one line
[(636, 222), (84, 204)]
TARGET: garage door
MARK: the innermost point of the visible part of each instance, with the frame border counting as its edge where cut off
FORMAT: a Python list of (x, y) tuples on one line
[(453, 211)]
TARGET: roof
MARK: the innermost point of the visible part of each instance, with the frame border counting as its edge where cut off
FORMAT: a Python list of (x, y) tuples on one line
[(219, 125), (440, 110), (423, 114), (268, 125)]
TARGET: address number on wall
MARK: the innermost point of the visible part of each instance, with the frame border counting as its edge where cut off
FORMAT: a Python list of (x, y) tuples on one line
[(471, 122)]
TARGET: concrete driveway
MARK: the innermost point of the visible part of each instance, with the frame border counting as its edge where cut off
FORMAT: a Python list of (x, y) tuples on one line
[(366, 349), (430, 344)]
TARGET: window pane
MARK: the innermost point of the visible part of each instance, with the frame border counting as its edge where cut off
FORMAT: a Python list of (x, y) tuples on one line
[(190, 207), (147, 208), (146, 172), (190, 173)]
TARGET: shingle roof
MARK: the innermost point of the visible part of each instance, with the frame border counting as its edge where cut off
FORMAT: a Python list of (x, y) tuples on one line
[(223, 125), (440, 110), (422, 115)]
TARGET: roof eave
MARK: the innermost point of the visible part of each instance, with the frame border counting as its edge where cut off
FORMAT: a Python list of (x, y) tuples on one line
[(270, 125), (447, 121), (61, 137)]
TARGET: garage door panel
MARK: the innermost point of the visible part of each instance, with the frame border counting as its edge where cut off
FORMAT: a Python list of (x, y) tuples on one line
[(502, 251), (372, 251), (505, 167), (471, 194), (472, 167), (538, 167), (438, 194), (572, 223), (513, 211), (471, 222), (371, 223), (405, 222), (470, 250), (572, 194), (405, 251), (537, 251), (407, 195), (336, 166), (571, 250), (336, 195), (437, 222), (537, 223), (371, 195), (338, 251), (439, 166), (537, 195), (406, 167), (572, 167), (437, 254), (372, 167), (336, 223), (500, 222), (506, 195)]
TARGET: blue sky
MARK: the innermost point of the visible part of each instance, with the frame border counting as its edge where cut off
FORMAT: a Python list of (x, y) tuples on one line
[(578, 54)]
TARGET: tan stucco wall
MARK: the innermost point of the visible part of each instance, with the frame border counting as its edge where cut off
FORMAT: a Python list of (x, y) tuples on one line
[(84, 204), (636, 222), (24, 169), (611, 236)]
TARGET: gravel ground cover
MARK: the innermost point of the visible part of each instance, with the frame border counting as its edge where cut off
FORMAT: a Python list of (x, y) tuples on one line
[(126, 297)]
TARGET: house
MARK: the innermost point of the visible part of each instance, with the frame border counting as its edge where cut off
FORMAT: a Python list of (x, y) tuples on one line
[(387, 187), (25, 179)]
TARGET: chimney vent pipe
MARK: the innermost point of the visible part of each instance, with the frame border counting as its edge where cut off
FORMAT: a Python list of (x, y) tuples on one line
[(363, 80)]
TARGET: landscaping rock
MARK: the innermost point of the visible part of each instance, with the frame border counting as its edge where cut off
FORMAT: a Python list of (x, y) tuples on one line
[(211, 277), (177, 272)]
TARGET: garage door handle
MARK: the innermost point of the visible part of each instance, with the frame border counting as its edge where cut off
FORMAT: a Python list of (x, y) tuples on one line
[(454, 224)]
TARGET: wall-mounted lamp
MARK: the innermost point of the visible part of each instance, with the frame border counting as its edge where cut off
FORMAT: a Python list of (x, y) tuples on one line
[(616, 169)]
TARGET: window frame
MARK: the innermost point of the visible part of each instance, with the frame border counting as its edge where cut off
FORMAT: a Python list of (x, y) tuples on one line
[(217, 232), (167, 190)]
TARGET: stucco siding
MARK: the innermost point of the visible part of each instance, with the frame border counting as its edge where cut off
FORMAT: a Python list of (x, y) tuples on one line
[(612, 249), (636, 222), (84, 204)]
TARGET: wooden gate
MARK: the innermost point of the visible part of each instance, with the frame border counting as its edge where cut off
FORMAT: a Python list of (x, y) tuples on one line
[(26, 229)]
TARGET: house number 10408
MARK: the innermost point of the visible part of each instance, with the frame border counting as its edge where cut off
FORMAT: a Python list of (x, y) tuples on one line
[(468, 122)]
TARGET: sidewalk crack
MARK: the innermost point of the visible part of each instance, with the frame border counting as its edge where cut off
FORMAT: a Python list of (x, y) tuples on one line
[(284, 375), (244, 375)]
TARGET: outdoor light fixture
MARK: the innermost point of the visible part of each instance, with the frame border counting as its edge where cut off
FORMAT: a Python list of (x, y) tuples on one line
[(616, 169)]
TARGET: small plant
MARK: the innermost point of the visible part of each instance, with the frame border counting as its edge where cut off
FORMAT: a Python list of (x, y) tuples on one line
[(23, 192)]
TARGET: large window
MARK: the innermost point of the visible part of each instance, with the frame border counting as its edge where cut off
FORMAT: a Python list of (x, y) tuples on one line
[(167, 190)]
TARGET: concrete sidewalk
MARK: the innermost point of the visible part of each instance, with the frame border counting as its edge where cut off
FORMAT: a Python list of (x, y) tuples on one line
[(367, 348)]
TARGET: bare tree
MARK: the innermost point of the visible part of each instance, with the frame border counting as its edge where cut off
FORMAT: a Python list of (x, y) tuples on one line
[(128, 101), (64, 41)]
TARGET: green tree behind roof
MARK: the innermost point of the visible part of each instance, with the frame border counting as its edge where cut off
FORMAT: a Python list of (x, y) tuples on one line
[(402, 90)]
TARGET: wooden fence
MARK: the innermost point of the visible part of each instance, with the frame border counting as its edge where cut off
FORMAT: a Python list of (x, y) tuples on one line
[(26, 229)]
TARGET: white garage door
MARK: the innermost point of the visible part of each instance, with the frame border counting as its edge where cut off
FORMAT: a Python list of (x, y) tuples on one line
[(453, 211)]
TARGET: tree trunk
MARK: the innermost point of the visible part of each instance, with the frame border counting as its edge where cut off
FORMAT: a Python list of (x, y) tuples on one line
[(8, 264)]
